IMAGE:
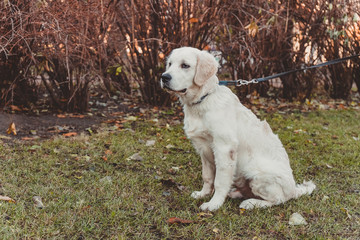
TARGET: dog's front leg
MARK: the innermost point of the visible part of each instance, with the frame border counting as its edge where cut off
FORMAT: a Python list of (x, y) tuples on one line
[(225, 165), (208, 172)]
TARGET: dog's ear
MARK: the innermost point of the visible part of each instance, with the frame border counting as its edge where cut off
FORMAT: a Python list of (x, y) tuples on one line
[(205, 68)]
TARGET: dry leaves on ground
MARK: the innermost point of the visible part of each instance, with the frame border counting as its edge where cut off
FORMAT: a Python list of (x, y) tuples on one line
[(6, 198), (175, 220), (11, 129)]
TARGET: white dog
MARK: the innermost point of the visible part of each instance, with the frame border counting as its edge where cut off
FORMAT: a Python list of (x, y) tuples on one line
[(240, 155)]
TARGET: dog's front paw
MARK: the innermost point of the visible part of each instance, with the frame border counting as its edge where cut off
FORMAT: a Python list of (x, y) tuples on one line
[(198, 194), (209, 206)]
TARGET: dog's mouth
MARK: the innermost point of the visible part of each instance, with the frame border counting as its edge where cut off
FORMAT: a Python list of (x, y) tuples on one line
[(175, 91), (181, 91)]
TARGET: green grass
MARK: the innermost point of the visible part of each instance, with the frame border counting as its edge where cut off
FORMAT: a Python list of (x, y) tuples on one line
[(81, 203)]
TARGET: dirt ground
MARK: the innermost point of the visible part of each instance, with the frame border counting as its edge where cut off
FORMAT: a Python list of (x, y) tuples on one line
[(112, 111), (43, 125)]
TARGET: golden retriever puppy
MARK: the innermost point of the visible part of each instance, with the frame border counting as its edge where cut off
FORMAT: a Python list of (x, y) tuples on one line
[(240, 155)]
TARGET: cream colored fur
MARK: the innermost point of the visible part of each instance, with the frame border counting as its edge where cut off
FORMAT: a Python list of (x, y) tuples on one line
[(240, 155)]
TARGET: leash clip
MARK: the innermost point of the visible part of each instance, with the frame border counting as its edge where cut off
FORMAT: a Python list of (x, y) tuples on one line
[(242, 82)]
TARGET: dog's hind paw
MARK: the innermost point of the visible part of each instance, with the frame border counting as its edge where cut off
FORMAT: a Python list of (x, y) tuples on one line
[(255, 203)]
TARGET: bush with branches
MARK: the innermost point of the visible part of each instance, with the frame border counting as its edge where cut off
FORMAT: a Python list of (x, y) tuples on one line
[(262, 38), (17, 84), (153, 29), (69, 45)]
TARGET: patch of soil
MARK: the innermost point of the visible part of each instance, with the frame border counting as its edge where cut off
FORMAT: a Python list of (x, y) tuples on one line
[(45, 125), (113, 111), (31, 126)]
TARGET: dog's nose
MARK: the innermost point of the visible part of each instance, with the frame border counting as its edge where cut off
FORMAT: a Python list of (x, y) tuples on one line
[(165, 77)]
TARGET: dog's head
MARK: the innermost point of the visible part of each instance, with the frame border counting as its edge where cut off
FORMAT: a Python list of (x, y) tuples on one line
[(188, 70)]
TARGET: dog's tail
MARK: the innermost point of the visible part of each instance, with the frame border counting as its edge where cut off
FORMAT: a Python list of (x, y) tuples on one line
[(304, 188)]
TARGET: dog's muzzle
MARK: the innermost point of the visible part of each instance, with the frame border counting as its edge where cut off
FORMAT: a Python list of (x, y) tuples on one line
[(164, 80), (165, 83)]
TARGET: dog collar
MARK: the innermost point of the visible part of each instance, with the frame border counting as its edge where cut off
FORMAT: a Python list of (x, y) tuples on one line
[(201, 99)]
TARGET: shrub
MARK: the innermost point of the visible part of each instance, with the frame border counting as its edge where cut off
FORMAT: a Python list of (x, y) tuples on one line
[(123, 44), (16, 54), (152, 30)]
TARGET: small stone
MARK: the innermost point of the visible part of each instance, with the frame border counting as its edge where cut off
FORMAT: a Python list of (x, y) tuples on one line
[(297, 219), (165, 193), (136, 157), (106, 179), (325, 198), (150, 143), (169, 146), (38, 203)]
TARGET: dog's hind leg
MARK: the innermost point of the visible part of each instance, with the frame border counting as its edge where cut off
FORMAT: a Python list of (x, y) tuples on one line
[(255, 203), (270, 190)]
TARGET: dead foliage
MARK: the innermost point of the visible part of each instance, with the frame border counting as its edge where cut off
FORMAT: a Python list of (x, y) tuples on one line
[(66, 47)]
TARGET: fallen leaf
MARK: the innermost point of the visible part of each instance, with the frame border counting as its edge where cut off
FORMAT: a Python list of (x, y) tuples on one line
[(5, 137), (341, 106), (70, 134), (61, 116), (216, 230), (86, 207), (175, 220), (346, 212), (280, 216), (205, 214), (89, 130), (77, 116), (175, 168), (131, 118), (329, 166), (15, 108), (33, 132), (108, 152), (297, 131), (242, 210), (5, 198), (154, 120), (34, 148), (11, 129)]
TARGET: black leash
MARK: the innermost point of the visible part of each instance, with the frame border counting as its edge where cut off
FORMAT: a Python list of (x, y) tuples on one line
[(241, 82)]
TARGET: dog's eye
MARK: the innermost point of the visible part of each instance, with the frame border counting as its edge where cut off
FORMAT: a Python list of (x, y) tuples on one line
[(184, 65)]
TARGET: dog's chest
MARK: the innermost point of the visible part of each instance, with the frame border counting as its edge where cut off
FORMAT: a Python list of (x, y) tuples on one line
[(195, 128)]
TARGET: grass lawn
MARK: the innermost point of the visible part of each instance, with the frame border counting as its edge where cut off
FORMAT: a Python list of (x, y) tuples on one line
[(93, 189)]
